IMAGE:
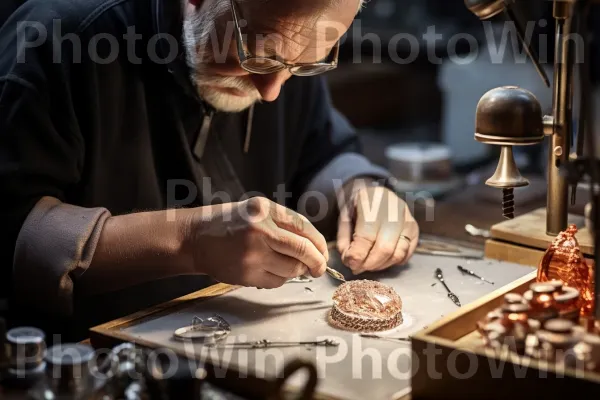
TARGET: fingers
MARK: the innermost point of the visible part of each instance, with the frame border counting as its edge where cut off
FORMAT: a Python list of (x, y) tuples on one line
[(267, 280), (383, 254), (365, 234), (296, 223), (285, 266), (411, 230), (401, 251), (297, 247), (344, 233)]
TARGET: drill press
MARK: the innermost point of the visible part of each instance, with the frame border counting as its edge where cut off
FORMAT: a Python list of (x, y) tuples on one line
[(511, 116)]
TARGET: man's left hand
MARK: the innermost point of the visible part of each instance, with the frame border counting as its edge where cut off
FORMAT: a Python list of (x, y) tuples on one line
[(376, 230)]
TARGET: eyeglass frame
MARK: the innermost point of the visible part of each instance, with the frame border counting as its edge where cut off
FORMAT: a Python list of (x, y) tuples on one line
[(244, 55)]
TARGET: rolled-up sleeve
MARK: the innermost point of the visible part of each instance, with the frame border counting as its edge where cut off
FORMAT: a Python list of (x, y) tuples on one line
[(54, 247), (44, 242)]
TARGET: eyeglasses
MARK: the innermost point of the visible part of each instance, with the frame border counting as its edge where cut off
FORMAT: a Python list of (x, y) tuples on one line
[(271, 65)]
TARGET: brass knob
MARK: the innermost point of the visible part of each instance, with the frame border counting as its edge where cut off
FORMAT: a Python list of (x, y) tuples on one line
[(485, 9), (507, 116), (507, 173)]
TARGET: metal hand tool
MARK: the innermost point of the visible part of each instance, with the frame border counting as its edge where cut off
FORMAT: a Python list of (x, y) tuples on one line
[(477, 232), (264, 344), (393, 339), (451, 295), (473, 274), (435, 248), (335, 274)]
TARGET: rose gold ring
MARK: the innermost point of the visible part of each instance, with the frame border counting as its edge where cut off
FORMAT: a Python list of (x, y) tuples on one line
[(409, 240)]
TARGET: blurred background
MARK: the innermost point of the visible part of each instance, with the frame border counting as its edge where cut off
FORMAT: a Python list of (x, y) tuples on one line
[(413, 95)]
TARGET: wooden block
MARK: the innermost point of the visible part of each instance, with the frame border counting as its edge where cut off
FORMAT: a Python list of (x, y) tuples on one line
[(529, 230), (510, 252)]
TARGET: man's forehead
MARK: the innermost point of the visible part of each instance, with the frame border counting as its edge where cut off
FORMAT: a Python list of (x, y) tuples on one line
[(281, 26), (317, 17)]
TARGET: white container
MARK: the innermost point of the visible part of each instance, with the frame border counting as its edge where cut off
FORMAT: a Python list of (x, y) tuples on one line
[(419, 162)]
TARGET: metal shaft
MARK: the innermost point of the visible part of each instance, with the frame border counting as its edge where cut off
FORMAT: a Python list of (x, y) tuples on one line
[(508, 203), (533, 56), (558, 188)]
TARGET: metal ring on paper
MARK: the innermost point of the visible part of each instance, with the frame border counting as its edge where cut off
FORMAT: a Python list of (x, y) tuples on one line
[(209, 330)]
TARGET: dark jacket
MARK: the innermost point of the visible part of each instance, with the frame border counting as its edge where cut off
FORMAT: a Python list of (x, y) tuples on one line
[(115, 132)]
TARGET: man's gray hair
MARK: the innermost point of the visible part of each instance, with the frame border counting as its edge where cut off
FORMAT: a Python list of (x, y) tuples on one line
[(361, 5)]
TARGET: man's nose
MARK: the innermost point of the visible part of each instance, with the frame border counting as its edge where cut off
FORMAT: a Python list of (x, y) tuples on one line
[(269, 86)]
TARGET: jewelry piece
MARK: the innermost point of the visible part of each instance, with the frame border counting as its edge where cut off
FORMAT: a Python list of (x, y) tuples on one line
[(409, 240), (209, 330), (365, 306)]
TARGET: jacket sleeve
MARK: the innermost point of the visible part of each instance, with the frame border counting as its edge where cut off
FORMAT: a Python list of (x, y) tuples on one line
[(46, 242), (329, 159)]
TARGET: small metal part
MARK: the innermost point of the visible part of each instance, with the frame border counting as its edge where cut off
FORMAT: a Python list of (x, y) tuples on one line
[(558, 151), (265, 343), (508, 203), (208, 331), (300, 279), (473, 274), (436, 248), (26, 347), (533, 56), (440, 276), (393, 339), (335, 274), (67, 368), (474, 231), (513, 298)]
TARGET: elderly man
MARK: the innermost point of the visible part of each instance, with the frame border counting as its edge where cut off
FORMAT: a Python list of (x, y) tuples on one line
[(147, 145)]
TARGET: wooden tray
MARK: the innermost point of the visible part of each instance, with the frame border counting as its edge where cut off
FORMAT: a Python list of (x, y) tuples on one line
[(249, 387), (447, 363)]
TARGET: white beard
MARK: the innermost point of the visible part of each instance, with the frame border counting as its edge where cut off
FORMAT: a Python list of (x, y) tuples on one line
[(197, 35)]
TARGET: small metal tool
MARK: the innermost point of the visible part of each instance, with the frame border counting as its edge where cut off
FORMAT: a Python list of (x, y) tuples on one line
[(473, 274), (300, 279), (435, 248), (264, 344), (440, 276), (393, 339), (478, 232), (335, 274)]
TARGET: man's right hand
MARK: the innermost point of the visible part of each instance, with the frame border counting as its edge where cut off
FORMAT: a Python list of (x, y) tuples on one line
[(255, 242)]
